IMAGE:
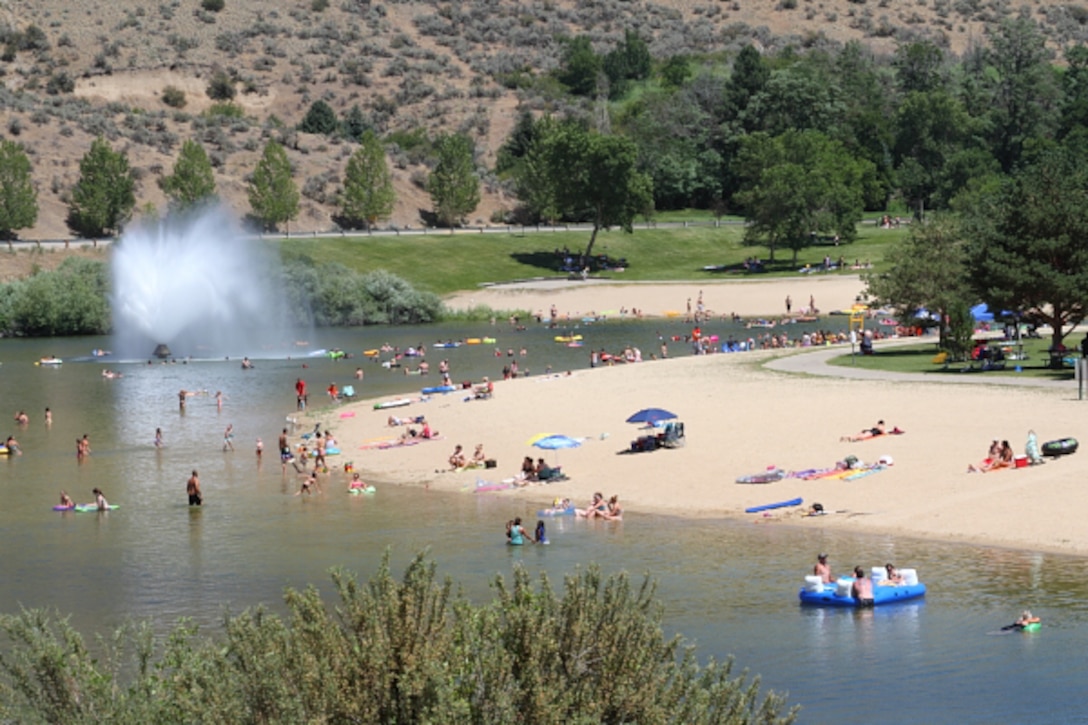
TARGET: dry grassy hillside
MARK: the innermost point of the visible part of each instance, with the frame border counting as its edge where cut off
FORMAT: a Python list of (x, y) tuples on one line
[(407, 64)]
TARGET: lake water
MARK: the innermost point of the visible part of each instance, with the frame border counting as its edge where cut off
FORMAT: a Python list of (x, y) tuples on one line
[(730, 586)]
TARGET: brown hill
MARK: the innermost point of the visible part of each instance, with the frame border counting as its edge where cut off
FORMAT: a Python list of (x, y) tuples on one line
[(408, 64)]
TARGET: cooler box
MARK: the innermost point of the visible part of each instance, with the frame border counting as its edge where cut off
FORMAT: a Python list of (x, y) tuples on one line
[(1021, 461)]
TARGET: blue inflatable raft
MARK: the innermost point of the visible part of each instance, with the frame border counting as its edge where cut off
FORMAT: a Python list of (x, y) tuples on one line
[(438, 389), (777, 505), (838, 594)]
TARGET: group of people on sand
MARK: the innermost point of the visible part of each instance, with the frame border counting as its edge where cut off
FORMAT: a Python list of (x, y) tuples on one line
[(458, 460), (536, 472), (999, 456), (598, 508)]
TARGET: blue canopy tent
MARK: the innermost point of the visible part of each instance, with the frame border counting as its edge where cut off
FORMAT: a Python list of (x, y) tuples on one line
[(981, 313)]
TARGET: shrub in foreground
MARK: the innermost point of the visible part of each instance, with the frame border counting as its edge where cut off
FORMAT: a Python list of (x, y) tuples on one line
[(390, 651)]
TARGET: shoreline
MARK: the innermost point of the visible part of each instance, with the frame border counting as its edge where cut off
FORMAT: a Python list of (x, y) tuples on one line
[(744, 413)]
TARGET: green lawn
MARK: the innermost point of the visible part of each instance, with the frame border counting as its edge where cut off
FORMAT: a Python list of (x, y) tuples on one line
[(919, 359), (444, 263)]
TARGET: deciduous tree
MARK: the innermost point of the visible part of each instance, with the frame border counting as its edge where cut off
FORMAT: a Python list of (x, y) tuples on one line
[(273, 195), (368, 186), (104, 196), (192, 183), (800, 184), (926, 270), (593, 177), (18, 197), (453, 184)]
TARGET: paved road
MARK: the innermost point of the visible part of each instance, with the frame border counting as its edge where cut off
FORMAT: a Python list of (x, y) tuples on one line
[(816, 363)]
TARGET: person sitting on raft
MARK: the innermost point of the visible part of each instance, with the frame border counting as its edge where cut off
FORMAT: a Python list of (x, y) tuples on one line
[(100, 500), (13, 446), (874, 432), (66, 500), (893, 578), (356, 483), (822, 569)]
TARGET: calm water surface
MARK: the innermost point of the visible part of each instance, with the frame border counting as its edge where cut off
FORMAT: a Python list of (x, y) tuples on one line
[(730, 586)]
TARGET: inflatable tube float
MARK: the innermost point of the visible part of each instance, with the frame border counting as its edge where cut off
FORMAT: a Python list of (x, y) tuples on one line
[(447, 345), (472, 341), (1060, 447), (815, 593), (768, 476), (83, 508), (1031, 626), (556, 512), (489, 341), (58, 507), (439, 389), (567, 338), (360, 491), (332, 451), (5, 451), (371, 353), (49, 361), (398, 403), (769, 506)]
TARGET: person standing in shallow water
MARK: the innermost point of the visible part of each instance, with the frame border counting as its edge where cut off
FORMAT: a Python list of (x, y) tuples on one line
[(192, 488)]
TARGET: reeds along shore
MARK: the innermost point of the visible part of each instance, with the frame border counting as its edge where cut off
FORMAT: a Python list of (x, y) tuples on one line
[(741, 418)]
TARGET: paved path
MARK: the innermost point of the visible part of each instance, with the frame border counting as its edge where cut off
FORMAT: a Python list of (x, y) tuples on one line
[(816, 363)]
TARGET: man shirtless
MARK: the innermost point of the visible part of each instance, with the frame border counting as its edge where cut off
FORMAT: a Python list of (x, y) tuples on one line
[(862, 588), (822, 569), (192, 487)]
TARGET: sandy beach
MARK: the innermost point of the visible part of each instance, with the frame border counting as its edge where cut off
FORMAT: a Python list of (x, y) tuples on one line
[(741, 418), (745, 297)]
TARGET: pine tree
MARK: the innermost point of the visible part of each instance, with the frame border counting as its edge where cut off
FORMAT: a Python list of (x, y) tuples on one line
[(453, 185), (104, 196), (192, 183), (18, 197), (368, 186), (273, 194)]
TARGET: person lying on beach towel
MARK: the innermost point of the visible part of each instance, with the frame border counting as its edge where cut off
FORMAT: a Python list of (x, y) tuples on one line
[(875, 432)]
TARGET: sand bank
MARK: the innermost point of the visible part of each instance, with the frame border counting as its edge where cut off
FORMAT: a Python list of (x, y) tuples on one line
[(741, 418), (745, 297)]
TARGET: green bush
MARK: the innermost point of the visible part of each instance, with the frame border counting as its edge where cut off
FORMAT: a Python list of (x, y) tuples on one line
[(390, 652), (221, 87), (225, 109), (319, 119), (213, 6), (60, 82), (173, 97)]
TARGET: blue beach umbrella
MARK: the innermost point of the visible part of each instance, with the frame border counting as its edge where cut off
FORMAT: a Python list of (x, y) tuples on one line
[(651, 416), (555, 442)]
